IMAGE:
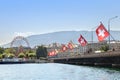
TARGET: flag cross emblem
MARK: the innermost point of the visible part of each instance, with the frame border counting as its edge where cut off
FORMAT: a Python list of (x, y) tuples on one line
[(101, 32), (82, 41)]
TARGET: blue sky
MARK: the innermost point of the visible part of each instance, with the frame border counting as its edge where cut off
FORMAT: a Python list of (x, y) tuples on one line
[(26, 17)]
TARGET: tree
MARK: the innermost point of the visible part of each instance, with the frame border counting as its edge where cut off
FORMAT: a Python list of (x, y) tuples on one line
[(31, 55), (104, 48), (1, 50), (1, 56), (10, 50), (21, 55), (10, 55), (41, 52)]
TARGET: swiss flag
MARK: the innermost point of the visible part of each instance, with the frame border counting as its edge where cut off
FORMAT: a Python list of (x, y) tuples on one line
[(64, 48), (52, 53), (49, 54), (70, 46), (101, 32), (82, 41)]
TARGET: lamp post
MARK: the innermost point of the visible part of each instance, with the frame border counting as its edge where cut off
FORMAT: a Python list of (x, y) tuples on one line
[(109, 27), (92, 42)]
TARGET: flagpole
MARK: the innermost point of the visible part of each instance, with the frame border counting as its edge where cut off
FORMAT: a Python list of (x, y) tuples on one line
[(109, 27)]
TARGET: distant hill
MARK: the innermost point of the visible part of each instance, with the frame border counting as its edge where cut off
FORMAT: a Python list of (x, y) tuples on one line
[(64, 37)]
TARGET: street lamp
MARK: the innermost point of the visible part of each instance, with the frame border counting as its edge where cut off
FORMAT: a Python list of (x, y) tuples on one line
[(92, 42), (109, 27), (92, 30)]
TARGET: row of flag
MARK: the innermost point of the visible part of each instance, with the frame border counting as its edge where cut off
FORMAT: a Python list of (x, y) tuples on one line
[(101, 33), (54, 52)]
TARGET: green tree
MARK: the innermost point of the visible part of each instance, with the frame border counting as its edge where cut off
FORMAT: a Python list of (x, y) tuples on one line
[(1, 56), (11, 55), (41, 52), (21, 55), (10, 50), (8, 55), (104, 48), (1, 50), (31, 55), (31, 51)]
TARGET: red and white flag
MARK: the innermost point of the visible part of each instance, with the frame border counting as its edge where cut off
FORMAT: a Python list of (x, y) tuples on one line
[(101, 32), (64, 48), (70, 45), (49, 53), (82, 41), (52, 53)]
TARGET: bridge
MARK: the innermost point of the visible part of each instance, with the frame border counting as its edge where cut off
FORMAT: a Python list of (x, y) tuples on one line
[(105, 59)]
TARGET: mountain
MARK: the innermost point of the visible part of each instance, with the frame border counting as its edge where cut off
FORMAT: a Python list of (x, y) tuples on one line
[(64, 37)]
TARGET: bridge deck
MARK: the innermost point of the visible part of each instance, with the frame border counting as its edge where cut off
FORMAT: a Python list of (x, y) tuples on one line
[(101, 59), (94, 55)]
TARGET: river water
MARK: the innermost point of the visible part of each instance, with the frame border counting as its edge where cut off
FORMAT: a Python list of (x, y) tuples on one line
[(53, 71)]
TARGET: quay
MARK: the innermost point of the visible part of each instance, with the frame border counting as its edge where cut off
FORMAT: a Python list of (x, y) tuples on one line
[(23, 61), (105, 59), (16, 62)]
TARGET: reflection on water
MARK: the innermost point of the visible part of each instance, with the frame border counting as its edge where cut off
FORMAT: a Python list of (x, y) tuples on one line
[(52, 71)]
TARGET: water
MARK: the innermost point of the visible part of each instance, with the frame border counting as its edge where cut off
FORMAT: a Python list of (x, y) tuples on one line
[(52, 71)]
